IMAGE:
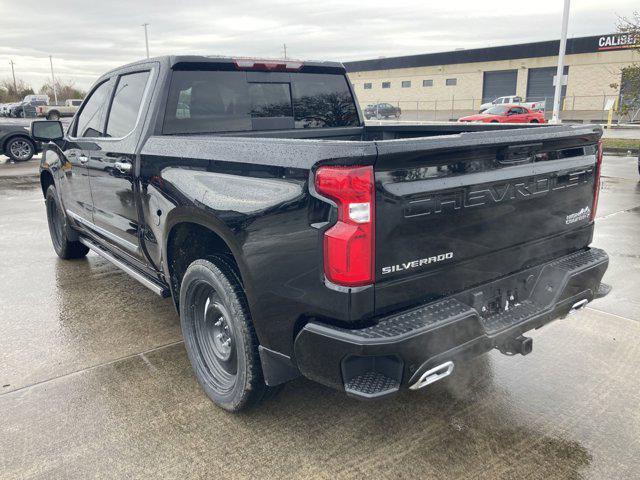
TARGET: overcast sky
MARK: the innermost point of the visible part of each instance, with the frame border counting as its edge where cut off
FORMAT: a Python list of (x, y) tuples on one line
[(86, 37)]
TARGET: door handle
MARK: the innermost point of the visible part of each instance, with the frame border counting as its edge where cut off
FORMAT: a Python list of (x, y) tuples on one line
[(83, 159), (123, 167)]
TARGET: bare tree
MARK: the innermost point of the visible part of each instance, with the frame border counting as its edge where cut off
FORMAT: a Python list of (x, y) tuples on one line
[(10, 94), (65, 90)]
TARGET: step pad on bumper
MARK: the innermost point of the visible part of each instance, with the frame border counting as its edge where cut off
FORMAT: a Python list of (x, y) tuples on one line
[(516, 314), (412, 321), (580, 260), (371, 385)]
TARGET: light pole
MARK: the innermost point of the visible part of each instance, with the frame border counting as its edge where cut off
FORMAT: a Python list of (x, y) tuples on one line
[(53, 81), (146, 38), (15, 85), (555, 117)]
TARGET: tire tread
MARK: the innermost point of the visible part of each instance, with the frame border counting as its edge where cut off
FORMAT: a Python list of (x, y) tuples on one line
[(255, 389)]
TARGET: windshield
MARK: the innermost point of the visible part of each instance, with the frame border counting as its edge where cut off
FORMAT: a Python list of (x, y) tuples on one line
[(497, 110)]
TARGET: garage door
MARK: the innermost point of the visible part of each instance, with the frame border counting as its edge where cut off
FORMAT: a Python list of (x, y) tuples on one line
[(540, 85), (499, 84)]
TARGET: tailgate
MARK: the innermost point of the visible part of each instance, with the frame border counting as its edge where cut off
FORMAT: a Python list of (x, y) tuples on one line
[(460, 210)]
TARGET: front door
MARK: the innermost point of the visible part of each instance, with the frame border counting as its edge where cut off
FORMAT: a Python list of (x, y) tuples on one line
[(74, 155), (112, 166), (74, 183), (516, 115)]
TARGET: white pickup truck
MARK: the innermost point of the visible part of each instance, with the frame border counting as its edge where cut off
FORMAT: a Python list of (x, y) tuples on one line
[(54, 112), (512, 100)]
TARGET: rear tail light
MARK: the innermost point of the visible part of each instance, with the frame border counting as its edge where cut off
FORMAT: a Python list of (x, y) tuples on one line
[(349, 245), (597, 173)]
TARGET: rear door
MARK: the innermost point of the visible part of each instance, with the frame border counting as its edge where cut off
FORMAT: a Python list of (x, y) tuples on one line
[(459, 210)]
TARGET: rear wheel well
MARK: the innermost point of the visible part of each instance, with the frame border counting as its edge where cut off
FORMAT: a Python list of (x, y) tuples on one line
[(191, 241), (46, 180)]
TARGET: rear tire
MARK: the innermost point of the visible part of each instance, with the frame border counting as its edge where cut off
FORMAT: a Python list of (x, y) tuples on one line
[(219, 336), (59, 229), (20, 149), (494, 121), (534, 121)]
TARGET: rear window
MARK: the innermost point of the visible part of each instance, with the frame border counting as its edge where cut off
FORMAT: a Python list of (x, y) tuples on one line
[(232, 101)]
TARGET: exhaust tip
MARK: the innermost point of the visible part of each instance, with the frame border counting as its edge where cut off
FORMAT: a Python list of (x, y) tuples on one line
[(578, 305), (431, 376)]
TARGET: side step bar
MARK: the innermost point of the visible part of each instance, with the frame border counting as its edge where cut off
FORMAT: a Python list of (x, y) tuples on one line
[(150, 283)]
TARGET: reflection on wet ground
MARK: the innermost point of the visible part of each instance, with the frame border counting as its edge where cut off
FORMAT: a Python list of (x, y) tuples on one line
[(94, 382)]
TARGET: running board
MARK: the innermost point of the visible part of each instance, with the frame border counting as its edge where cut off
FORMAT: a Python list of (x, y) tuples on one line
[(150, 283)]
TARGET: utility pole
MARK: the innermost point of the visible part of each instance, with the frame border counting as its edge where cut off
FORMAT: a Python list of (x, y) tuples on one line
[(555, 118), (15, 85), (146, 38), (53, 81), (284, 49)]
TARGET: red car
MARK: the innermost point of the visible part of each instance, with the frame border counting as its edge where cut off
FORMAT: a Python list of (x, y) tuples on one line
[(506, 114)]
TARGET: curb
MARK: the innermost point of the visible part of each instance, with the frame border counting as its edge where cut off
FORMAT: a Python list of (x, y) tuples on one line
[(624, 152)]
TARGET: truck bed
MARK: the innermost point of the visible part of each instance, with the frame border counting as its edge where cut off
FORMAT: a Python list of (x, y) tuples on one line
[(413, 165)]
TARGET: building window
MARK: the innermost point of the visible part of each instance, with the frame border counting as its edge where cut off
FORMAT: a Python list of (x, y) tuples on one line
[(451, 81), (406, 83), (427, 83), (367, 86), (386, 84)]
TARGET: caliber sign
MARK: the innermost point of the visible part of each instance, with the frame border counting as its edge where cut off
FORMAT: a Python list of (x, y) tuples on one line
[(618, 42)]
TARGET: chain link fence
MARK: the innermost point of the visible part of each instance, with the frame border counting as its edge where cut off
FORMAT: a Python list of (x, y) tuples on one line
[(576, 108)]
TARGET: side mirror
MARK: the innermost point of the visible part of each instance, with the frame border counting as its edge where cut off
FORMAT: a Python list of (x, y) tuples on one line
[(47, 130)]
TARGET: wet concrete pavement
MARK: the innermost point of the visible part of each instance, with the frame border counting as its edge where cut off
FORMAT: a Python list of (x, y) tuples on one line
[(95, 383), (10, 169)]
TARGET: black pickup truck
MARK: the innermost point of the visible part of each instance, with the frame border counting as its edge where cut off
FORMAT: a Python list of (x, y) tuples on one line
[(295, 240)]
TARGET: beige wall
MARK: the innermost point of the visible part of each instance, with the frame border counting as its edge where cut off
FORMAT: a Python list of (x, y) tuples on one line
[(590, 76)]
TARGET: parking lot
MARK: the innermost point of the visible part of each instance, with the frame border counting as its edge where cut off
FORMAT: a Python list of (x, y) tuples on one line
[(95, 382)]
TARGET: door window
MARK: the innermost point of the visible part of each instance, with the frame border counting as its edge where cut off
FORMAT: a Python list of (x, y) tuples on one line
[(126, 104), (90, 121)]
